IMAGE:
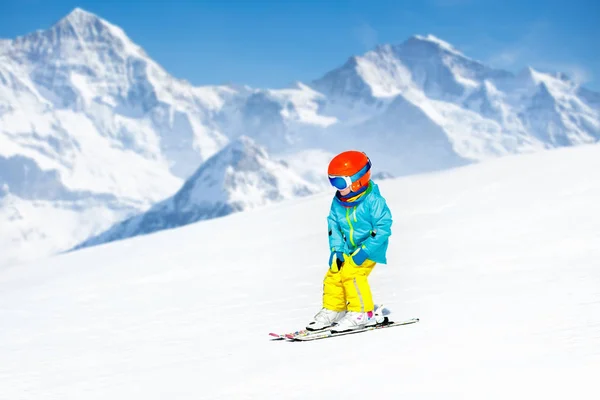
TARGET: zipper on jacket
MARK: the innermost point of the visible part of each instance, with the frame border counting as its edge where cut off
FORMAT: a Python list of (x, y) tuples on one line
[(350, 223)]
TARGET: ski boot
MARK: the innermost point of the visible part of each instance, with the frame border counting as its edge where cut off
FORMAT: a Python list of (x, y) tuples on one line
[(324, 319)]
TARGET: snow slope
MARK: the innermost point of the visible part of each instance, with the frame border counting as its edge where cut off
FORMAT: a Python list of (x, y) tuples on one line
[(240, 177), (32, 228), (500, 260)]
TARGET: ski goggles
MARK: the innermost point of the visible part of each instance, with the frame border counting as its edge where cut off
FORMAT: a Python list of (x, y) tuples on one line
[(344, 182)]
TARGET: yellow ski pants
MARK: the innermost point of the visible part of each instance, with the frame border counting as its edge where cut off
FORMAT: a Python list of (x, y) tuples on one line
[(348, 289)]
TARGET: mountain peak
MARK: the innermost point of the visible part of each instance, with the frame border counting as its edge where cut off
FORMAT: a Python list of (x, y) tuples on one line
[(531, 76), (242, 175), (241, 148), (73, 38), (81, 26), (79, 20), (432, 40), (79, 15), (243, 143)]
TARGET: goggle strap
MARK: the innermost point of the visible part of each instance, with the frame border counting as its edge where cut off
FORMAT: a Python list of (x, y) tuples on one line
[(352, 178), (360, 173)]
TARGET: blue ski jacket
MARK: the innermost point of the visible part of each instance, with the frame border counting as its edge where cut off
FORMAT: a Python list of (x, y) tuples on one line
[(365, 223)]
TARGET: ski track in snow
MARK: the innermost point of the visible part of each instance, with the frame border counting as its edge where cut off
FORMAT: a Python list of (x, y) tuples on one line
[(499, 261)]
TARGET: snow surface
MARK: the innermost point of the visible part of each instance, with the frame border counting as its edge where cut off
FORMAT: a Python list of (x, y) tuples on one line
[(240, 177), (30, 228), (500, 260)]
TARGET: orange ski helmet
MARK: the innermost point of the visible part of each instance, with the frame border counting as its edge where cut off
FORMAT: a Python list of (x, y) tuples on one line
[(349, 169)]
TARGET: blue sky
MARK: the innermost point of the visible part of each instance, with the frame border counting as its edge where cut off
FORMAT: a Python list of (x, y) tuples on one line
[(273, 43)]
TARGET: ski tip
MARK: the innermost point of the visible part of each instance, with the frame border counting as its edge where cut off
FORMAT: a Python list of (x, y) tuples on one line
[(276, 336)]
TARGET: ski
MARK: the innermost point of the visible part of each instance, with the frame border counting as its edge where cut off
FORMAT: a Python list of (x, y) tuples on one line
[(292, 335), (328, 334), (379, 310)]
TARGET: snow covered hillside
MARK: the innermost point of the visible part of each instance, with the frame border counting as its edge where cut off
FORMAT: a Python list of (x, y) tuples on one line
[(240, 177), (500, 260), (30, 229), (93, 130)]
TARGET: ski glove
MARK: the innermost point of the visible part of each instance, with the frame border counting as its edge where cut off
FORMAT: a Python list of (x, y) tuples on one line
[(336, 259), (358, 257)]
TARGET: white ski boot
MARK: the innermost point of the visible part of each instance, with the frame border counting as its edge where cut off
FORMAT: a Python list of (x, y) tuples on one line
[(324, 319), (359, 320), (354, 320)]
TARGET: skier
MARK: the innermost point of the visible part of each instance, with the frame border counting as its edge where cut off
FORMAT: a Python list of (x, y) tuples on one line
[(359, 227)]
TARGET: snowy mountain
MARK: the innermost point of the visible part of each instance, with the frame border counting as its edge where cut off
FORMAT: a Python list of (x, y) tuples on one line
[(86, 134), (406, 96), (88, 121), (81, 97), (499, 260), (240, 177)]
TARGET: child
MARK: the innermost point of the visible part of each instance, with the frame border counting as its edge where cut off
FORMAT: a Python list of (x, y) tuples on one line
[(359, 226)]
